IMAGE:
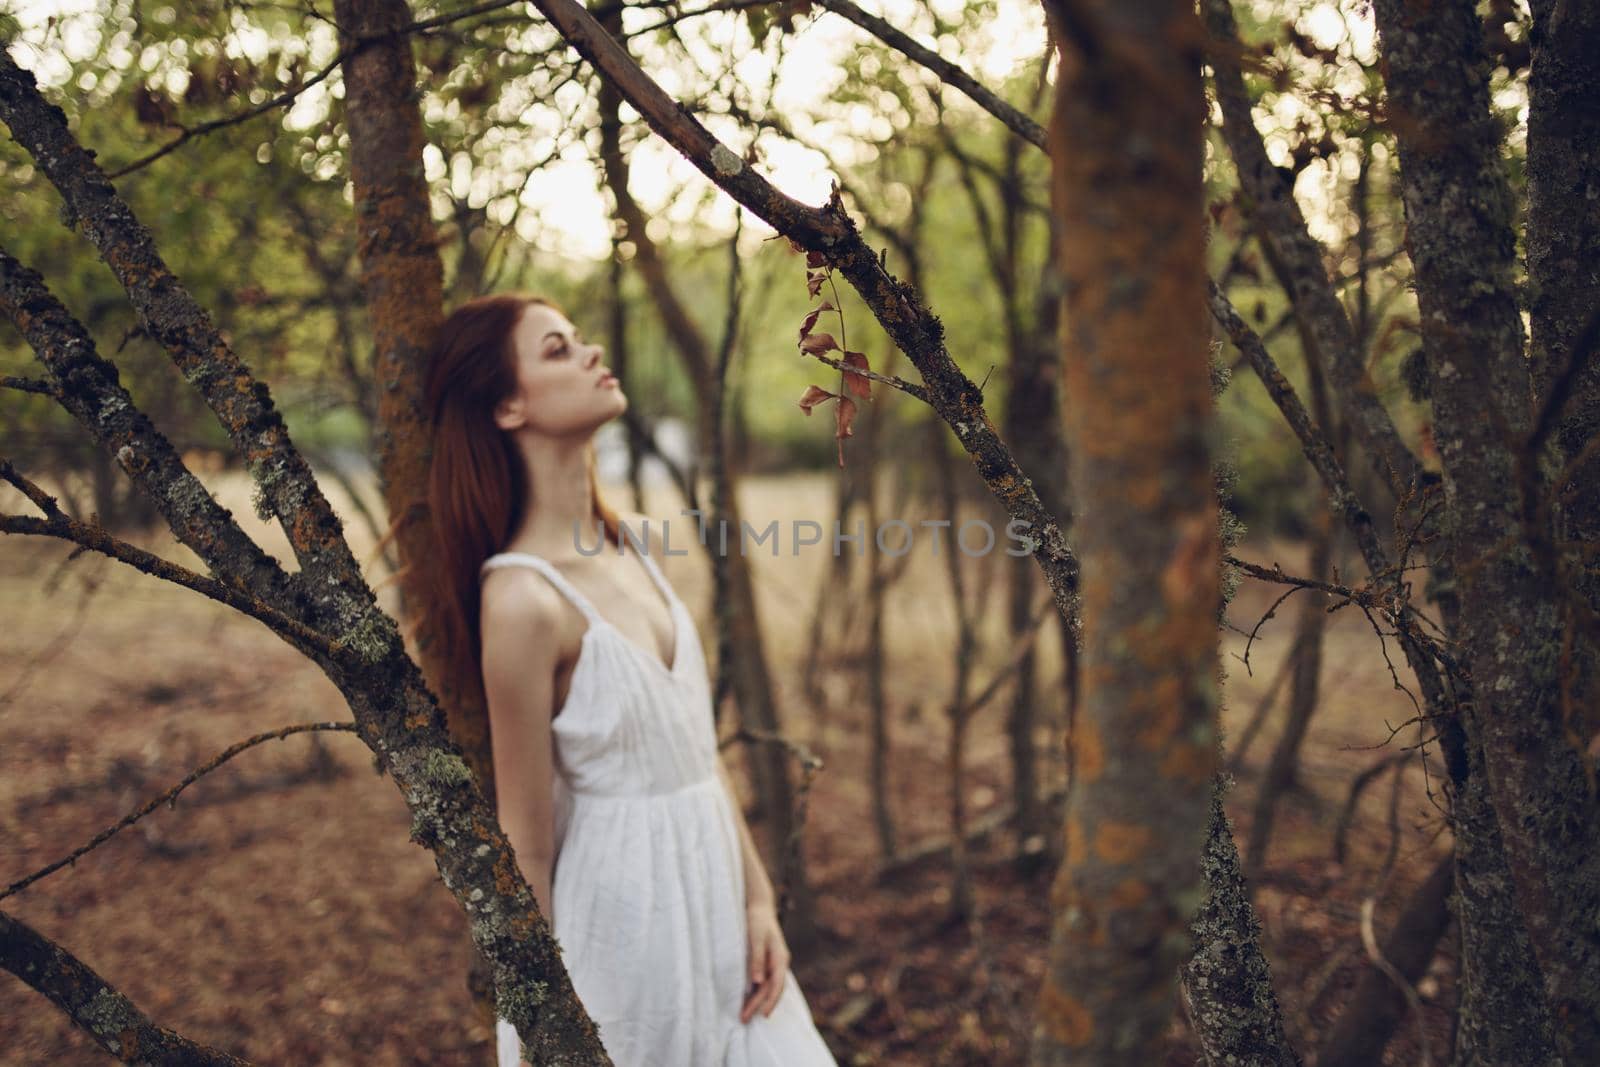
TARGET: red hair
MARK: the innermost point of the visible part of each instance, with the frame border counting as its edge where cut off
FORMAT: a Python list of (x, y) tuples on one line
[(477, 479)]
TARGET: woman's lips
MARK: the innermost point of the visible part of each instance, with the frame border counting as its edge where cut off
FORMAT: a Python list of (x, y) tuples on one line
[(606, 379)]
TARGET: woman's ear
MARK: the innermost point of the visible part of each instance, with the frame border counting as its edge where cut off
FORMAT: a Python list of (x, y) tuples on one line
[(508, 414)]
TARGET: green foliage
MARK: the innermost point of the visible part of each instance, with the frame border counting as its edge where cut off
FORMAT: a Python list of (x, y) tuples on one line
[(255, 217)]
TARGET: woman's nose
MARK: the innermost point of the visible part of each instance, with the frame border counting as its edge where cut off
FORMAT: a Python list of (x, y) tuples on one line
[(596, 353)]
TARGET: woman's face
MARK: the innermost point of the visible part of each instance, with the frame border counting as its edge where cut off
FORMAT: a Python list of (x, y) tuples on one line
[(563, 387)]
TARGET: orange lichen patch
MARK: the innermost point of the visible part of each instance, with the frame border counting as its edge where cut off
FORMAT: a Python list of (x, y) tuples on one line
[(1063, 893), (1128, 893), (1188, 762), (505, 881), (1144, 493), (1064, 1017), (1077, 850), (1094, 591), (1161, 714), (1088, 750), (1121, 842), (1191, 571)]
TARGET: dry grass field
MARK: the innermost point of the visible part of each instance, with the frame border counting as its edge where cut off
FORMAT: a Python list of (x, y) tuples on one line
[(278, 910)]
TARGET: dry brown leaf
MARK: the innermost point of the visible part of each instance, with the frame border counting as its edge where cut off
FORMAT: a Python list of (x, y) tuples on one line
[(814, 395), (817, 343), (858, 385), (844, 415), (811, 318)]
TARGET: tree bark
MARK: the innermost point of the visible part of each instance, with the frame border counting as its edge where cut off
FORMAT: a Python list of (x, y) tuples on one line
[(99, 1010), (1563, 244), (1227, 985), (1458, 208), (1126, 149)]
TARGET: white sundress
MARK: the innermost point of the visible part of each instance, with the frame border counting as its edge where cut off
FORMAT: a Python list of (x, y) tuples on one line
[(647, 889)]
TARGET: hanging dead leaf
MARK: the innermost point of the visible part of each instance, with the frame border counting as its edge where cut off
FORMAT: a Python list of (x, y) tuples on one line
[(808, 322), (858, 385), (815, 259), (814, 395), (817, 343), (814, 280), (844, 414)]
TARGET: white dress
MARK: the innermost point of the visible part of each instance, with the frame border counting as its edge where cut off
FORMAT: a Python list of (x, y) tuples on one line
[(647, 889)]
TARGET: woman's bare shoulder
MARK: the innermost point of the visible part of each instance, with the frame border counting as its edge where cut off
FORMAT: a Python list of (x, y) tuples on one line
[(518, 603)]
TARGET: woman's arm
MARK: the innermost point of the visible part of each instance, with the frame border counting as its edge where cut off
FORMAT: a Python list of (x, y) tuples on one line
[(758, 889), (768, 960), (520, 621)]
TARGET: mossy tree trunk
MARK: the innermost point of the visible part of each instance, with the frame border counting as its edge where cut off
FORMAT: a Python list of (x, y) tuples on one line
[(1459, 214), (1126, 152)]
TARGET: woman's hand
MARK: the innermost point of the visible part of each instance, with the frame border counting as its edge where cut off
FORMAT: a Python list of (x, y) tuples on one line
[(769, 961)]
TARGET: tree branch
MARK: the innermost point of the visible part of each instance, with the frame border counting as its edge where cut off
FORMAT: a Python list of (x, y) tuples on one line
[(289, 96), (948, 72), (1270, 202), (95, 1006), (168, 797), (88, 387), (93, 536), (831, 233), (242, 405), (396, 714)]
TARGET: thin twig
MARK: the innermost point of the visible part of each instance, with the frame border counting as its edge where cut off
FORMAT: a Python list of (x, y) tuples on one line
[(95, 537), (170, 797)]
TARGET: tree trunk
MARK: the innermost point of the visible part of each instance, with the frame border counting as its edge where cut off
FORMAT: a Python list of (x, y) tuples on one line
[(1033, 423), (1458, 209), (877, 651), (1563, 243), (1227, 985), (402, 283), (1369, 1018), (1283, 766), (1126, 151)]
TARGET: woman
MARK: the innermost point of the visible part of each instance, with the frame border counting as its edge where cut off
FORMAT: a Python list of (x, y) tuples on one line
[(609, 784)]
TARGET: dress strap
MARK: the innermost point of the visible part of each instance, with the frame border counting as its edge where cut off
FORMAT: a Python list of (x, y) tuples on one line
[(546, 568), (656, 576)]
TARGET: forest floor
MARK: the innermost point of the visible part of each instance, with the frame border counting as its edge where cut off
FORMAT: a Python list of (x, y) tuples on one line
[(279, 912)]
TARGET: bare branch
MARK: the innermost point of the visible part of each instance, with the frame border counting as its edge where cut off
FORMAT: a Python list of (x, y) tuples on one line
[(169, 797), (831, 233), (1270, 202), (95, 537), (29, 385), (242, 404), (909, 388), (95, 1006), (87, 387), (947, 71)]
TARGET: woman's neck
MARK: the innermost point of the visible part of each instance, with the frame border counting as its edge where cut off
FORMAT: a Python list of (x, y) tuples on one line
[(560, 514)]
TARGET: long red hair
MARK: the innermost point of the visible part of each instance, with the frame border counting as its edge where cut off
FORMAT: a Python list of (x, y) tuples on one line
[(477, 480)]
